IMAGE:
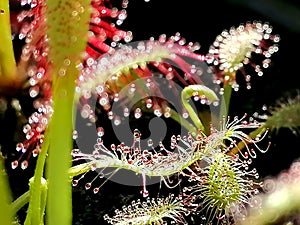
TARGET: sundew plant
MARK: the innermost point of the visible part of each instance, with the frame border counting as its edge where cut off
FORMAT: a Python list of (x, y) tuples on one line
[(87, 108)]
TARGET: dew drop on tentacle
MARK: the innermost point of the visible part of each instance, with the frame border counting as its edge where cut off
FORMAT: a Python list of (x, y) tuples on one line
[(75, 183), (137, 113), (126, 112), (35, 152), (20, 146), (96, 190), (34, 91), (14, 164), (88, 186), (117, 120), (149, 103), (100, 131), (75, 135), (24, 164)]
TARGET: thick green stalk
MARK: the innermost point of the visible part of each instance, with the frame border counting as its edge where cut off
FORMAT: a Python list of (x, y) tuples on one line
[(6, 217), (68, 24), (7, 58), (59, 207), (225, 101)]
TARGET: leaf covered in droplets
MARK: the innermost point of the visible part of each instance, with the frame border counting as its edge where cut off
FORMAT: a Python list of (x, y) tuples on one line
[(67, 29)]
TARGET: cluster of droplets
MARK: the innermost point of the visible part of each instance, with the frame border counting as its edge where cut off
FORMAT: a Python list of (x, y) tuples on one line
[(34, 55), (34, 133), (235, 48), (223, 186), (168, 210), (230, 134), (152, 162), (34, 60), (184, 153), (104, 33), (35, 39), (127, 66), (223, 180), (115, 66)]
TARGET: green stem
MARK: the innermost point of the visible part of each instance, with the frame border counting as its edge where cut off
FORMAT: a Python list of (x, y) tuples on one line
[(193, 115), (79, 169), (6, 217), (20, 202), (7, 58), (175, 116), (241, 144), (225, 102), (33, 213), (59, 206), (201, 90)]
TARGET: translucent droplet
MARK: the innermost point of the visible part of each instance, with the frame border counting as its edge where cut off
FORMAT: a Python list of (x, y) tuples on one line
[(84, 113), (145, 193), (117, 121), (32, 81), (110, 115), (116, 97), (103, 101), (149, 103), (34, 91), (150, 142), (88, 186), (14, 164), (126, 112), (62, 72), (74, 183), (185, 114), (35, 152), (100, 131), (157, 111), (19, 146), (96, 190), (67, 62), (75, 135), (137, 113), (24, 164)]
